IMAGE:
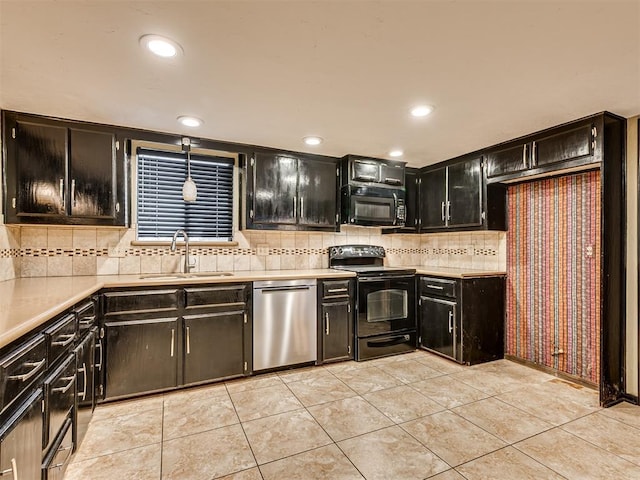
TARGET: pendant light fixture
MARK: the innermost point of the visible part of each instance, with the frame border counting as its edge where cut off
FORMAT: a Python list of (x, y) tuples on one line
[(189, 189)]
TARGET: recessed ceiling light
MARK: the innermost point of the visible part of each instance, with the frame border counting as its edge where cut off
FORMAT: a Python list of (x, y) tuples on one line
[(396, 153), (421, 110), (312, 140), (188, 121), (160, 46)]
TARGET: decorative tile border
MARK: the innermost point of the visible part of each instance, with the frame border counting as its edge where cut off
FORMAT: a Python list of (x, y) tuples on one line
[(165, 251)]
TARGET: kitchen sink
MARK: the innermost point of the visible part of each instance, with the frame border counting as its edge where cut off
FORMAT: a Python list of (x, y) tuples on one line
[(186, 275)]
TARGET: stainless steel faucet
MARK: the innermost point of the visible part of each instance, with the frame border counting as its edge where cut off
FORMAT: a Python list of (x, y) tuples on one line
[(187, 264)]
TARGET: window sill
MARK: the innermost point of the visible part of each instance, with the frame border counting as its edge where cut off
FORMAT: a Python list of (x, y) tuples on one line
[(164, 243)]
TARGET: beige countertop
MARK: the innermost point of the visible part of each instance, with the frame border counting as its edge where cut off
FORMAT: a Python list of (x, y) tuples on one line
[(26, 303), (455, 272)]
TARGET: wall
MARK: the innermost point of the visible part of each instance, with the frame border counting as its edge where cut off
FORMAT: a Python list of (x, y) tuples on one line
[(632, 257), (64, 251), (9, 252)]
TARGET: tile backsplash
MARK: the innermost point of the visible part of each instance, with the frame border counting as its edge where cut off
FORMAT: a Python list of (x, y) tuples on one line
[(36, 251)]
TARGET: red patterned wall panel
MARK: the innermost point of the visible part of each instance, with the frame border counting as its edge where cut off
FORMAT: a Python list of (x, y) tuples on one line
[(553, 273)]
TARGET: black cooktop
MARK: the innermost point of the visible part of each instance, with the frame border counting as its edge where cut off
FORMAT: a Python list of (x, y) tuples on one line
[(371, 270)]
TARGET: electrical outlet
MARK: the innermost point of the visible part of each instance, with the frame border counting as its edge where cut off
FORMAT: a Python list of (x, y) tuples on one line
[(117, 252), (263, 249)]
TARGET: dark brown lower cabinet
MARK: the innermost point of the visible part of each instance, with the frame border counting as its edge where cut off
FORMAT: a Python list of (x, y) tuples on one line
[(141, 356), (56, 461), (338, 331), (163, 338), (21, 440), (213, 346), (462, 319), (335, 320), (85, 380)]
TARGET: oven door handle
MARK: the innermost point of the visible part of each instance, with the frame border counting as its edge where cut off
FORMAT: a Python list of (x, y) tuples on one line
[(383, 278), (389, 342)]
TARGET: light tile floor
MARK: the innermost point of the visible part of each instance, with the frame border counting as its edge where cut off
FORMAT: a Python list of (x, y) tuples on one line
[(412, 416)]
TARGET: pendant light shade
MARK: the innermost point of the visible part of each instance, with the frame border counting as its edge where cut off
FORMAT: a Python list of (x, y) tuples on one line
[(189, 189)]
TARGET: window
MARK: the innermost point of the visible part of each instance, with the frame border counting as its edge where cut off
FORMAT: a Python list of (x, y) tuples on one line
[(160, 207)]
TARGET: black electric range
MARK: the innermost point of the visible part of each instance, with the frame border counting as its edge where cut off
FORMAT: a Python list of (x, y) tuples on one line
[(385, 304)]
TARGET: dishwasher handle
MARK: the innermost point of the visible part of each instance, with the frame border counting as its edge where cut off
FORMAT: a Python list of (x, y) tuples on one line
[(283, 289)]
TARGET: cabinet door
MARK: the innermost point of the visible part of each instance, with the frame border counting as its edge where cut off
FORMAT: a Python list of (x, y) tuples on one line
[(411, 197), (41, 152), (433, 198), (392, 174), (337, 328), (92, 173), (438, 326), (214, 346), (141, 356), (85, 379), (317, 193), (464, 203), (511, 159), (569, 144), (275, 180), (21, 441)]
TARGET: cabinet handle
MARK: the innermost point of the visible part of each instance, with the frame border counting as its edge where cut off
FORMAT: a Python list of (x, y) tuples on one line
[(295, 207), (448, 210), (73, 192), (68, 338), (301, 207), (13, 470), (450, 321), (188, 341), (66, 460), (442, 210), (66, 388), (99, 365), (437, 287), (326, 318), (83, 369), (173, 337), (337, 290), (62, 191), (88, 321), (524, 156), (36, 366), (533, 154)]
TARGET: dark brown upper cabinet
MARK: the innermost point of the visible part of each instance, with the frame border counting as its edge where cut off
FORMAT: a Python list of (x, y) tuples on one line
[(566, 148), (453, 195), (62, 172), (292, 192)]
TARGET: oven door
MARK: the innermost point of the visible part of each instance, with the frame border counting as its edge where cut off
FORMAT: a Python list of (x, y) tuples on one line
[(371, 206), (385, 304)]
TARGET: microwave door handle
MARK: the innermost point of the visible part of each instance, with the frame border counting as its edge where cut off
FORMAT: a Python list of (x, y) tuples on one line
[(395, 209)]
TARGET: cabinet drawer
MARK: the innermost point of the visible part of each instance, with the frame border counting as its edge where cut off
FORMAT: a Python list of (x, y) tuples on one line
[(59, 398), (438, 286), (209, 296), (56, 461), (60, 336), (335, 288), (20, 368), (140, 301), (86, 317)]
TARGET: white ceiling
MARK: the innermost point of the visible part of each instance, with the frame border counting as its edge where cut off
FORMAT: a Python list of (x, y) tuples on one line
[(269, 73)]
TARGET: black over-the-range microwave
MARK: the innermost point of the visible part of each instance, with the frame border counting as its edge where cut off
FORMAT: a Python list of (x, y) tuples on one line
[(372, 192)]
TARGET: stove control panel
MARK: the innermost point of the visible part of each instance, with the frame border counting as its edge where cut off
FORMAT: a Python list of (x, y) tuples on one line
[(356, 251)]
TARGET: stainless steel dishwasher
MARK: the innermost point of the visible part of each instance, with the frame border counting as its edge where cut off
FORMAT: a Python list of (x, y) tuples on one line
[(284, 323)]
